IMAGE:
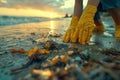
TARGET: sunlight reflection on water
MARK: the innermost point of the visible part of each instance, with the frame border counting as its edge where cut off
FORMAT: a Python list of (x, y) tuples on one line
[(25, 29), (20, 35), (52, 26)]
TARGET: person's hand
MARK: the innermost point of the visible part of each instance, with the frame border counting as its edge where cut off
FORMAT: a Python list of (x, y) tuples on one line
[(117, 31), (85, 26), (71, 29)]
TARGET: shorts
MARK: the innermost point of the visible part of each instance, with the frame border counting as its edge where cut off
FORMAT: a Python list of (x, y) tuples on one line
[(105, 5), (110, 4), (99, 9)]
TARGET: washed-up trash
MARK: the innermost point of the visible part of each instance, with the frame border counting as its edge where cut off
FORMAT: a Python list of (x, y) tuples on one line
[(88, 67), (64, 58), (54, 34), (38, 51), (118, 57), (77, 59), (1, 64), (46, 73), (1, 53), (59, 59), (73, 46), (50, 45), (55, 61), (32, 33), (70, 52), (111, 74), (35, 55), (111, 51), (66, 73), (41, 40), (17, 51), (32, 51), (44, 51)]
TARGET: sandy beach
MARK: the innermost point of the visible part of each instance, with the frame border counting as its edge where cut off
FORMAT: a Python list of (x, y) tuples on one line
[(29, 35)]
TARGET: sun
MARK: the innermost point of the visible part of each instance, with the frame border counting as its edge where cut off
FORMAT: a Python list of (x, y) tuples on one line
[(53, 15)]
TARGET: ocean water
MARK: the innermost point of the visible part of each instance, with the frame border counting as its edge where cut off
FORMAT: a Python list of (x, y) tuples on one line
[(10, 20)]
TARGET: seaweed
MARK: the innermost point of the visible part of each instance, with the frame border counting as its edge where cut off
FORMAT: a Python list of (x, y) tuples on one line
[(35, 58), (111, 51)]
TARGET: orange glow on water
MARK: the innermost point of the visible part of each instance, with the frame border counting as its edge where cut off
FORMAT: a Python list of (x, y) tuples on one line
[(52, 26)]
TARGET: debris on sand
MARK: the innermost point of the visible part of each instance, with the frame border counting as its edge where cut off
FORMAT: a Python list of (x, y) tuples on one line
[(55, 34), (1, 53), (18, 51), (69, 62), (111, 51)]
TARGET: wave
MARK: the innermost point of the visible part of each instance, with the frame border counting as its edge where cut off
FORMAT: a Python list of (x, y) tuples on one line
[(11, 20)]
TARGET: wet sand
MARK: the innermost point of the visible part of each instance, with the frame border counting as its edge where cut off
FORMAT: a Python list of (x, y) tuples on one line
[(27, 36)]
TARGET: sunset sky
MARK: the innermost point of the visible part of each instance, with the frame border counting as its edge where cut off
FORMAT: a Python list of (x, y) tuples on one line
[(41, 8)]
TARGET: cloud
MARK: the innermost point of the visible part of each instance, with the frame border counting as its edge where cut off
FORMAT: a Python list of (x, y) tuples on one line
[(59, 7), (36, 4)]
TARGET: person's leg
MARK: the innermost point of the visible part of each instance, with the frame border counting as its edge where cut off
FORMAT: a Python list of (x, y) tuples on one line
[(115, 13), (78, 8), (99, 25), (93, 2), (113, 7)]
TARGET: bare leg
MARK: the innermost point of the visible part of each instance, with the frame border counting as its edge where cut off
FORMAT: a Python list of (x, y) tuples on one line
[(98, 23), (93, 2), (115, 13), (97, 19), (78, 7), (99, 26)]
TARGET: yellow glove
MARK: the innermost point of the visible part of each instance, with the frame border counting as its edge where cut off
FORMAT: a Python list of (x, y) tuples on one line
[(85, 25), (99, 29), (117, 31), (71, 29)]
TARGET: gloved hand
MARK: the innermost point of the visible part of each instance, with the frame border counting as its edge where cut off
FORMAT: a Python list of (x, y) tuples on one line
[(85, 25), (71, 29), (117, 31)]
